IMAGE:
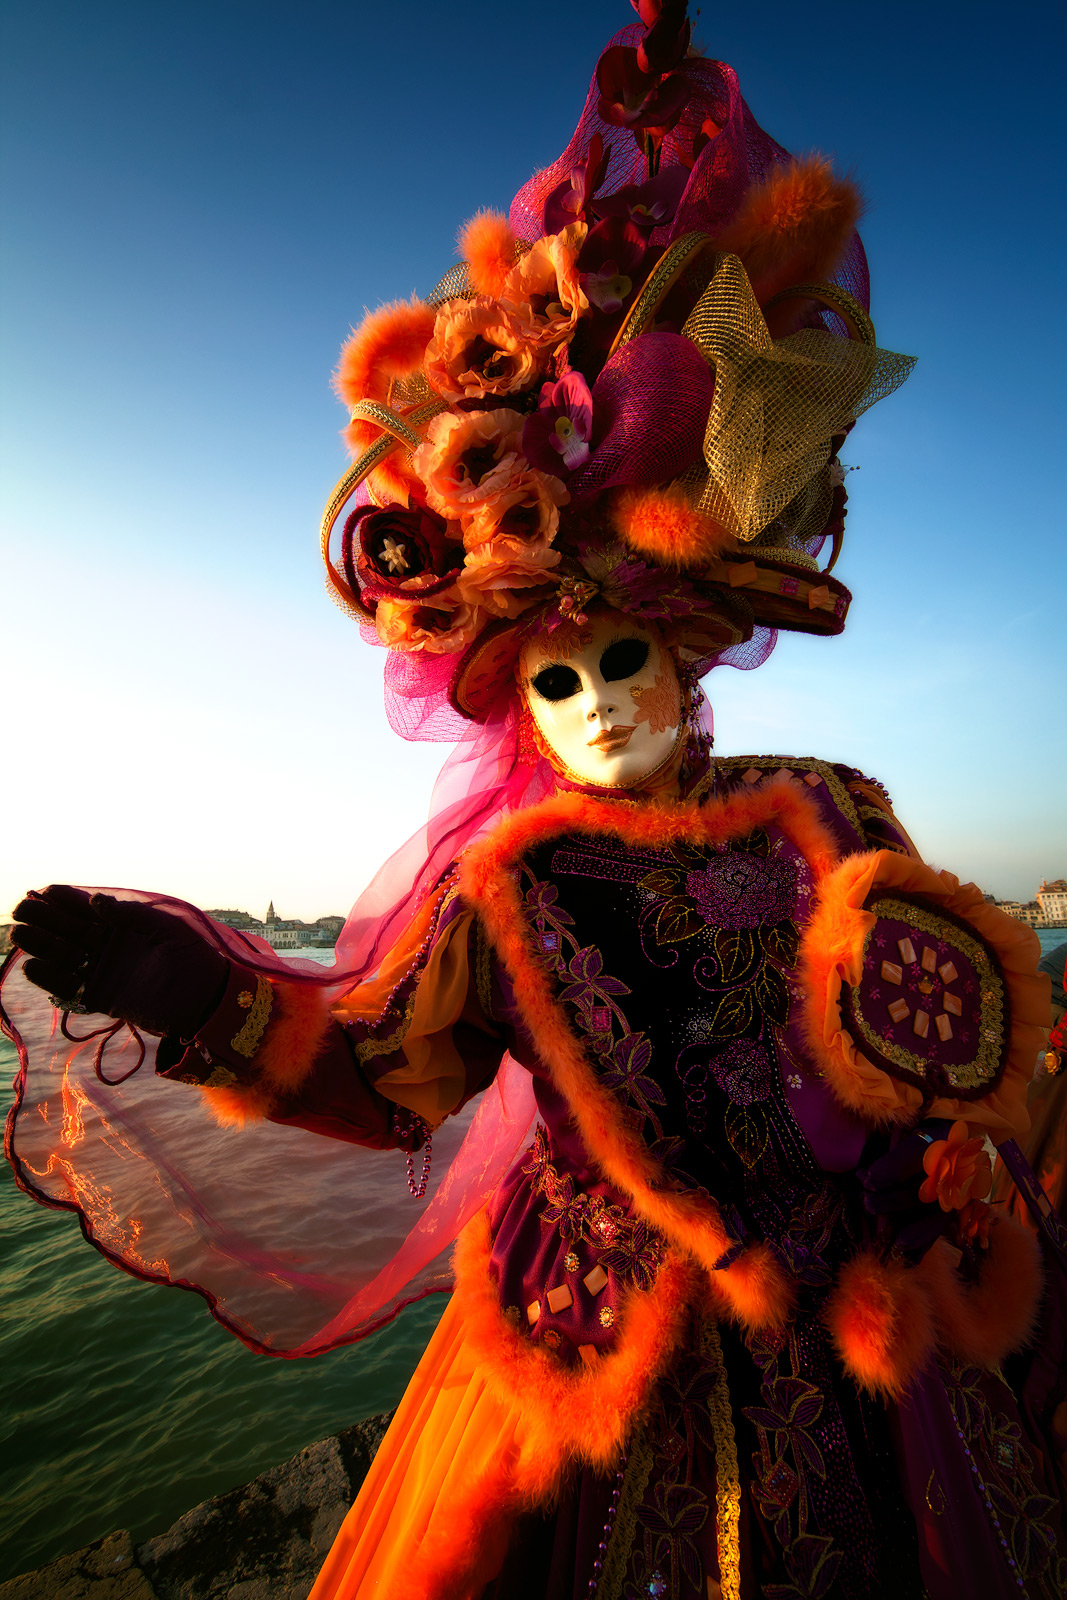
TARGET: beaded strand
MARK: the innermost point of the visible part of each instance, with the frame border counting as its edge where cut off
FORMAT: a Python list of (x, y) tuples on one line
[(417, 1190), (983, 1490), (423, 949), (602, 1548)]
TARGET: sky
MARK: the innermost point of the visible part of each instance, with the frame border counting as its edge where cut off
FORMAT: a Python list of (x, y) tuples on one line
[(202, 198)]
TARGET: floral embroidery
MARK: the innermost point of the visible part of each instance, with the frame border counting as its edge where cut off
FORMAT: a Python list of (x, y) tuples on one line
[(631, 1249), (1005, 1478), (743, 1072), (594, 995)]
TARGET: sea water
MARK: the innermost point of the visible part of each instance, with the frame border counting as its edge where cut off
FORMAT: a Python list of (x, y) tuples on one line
[(126, 1403)]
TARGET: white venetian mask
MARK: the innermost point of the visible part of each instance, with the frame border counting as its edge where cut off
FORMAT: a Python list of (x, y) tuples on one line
[(611, 708)]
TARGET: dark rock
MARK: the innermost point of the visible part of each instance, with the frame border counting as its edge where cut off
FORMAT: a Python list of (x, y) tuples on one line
[(104, 1570), (263, 1541), (268, 1539)]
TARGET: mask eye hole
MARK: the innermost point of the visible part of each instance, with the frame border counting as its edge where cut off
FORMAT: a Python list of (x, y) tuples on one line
[(557, 683), (623, 658)]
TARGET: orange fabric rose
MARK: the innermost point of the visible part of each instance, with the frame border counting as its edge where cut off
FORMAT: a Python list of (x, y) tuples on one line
[(975, 1222), (481, 347), (957, 1170), (526, 509), (545, 289), (468, 456), (501, 575), (441, 625)]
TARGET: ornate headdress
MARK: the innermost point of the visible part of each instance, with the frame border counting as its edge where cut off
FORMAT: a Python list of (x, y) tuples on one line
[(633, 389)]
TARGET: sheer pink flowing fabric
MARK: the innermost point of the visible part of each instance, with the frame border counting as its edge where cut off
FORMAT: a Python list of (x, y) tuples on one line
[(298, 1243)]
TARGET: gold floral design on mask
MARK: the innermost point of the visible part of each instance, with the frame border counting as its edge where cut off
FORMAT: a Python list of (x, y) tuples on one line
[(659, 705)]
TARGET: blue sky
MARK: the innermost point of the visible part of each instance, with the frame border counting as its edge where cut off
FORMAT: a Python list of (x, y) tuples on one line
[(202, 198)]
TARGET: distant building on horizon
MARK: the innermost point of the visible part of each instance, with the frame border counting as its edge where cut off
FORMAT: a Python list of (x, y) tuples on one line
[(1052, 898), (1047, 910), (282, 934)]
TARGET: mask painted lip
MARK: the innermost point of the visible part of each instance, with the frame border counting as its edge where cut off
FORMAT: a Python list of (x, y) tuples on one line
[(613, 738)]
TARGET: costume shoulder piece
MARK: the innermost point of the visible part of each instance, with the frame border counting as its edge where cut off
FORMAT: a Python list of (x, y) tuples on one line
[(861, 803), (921, 998)]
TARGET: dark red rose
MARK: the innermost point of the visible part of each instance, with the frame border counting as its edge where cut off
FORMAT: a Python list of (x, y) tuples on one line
[(667, 39), (386, 548)]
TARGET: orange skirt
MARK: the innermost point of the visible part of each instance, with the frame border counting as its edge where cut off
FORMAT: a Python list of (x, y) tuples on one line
[(433, 1517)]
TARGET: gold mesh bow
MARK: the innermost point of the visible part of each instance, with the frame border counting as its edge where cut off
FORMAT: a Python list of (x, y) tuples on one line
[(778, 402)]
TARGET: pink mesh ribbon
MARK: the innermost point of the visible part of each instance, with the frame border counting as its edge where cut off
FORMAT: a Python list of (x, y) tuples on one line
[(650, 412)]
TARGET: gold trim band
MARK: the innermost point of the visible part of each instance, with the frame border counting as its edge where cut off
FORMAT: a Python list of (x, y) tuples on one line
[(664, 275), (390, 422), (852, 314)]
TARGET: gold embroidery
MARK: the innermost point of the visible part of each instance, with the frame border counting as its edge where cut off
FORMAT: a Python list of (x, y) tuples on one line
[(483, 970), (221, 1078), (245, 999), (246, 1043), (935, 1496), (987, 1060), (383, 1047), (727, 1472), (634, 1485)]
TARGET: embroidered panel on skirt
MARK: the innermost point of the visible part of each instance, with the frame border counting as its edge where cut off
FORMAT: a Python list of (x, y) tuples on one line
[(565, 1249)]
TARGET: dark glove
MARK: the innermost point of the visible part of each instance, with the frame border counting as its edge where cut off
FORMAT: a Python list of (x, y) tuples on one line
[(119, 957), (891, 1184)]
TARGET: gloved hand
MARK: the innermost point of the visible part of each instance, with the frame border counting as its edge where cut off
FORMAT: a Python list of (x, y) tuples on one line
[(119, 957), (891, 1184)]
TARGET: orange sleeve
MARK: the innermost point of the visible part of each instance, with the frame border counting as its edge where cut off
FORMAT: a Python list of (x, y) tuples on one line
[(441, 1050)]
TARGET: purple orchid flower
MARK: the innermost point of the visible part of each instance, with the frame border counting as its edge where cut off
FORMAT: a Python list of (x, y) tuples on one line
[(556, 438), (611, 263), (647, 205)]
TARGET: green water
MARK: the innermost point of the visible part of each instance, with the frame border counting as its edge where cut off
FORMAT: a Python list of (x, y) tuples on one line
[(125, 1404)]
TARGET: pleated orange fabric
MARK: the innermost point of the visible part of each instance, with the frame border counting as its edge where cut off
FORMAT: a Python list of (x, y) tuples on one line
[(448, 1443)]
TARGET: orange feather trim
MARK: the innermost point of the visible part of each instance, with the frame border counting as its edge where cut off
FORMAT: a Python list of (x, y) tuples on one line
[(488, 245), (295, 1035), (879, 1319), (795, 226), (754, 1288), (831, 954), (984, 1322), (388, 344), (661, 524)]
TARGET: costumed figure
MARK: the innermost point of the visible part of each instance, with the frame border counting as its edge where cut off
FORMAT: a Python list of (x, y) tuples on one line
[(692, 1059)]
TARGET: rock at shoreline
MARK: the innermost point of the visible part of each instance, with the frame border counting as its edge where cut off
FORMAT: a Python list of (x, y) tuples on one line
[(105, 1570), (263, 1541)]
